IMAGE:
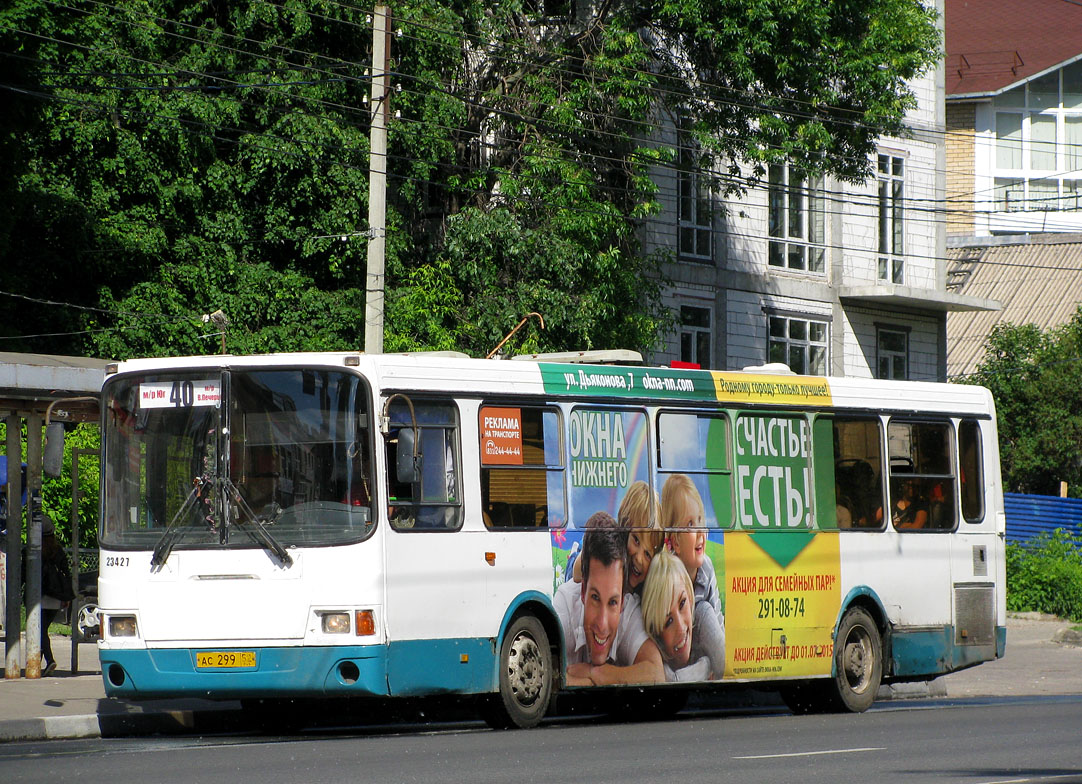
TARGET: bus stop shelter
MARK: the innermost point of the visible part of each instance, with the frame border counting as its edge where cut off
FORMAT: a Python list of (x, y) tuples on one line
[(35, 389)]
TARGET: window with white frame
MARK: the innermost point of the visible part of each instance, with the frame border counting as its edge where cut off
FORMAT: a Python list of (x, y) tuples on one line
[(695, 329), (1038, 137), (800, 343), (890, 179), (796, 218), (892, 353), (693, 197)]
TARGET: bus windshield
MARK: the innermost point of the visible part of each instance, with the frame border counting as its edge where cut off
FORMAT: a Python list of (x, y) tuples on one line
[(265, 458)]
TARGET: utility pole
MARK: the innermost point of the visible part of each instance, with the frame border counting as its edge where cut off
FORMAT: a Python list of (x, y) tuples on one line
[(377, 182)]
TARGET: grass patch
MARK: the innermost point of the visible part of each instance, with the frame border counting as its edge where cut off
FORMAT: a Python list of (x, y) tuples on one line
[(1044, 575)]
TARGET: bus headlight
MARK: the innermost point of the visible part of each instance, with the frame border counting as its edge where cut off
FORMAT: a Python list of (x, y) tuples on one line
[(123, 626), (335, 623)]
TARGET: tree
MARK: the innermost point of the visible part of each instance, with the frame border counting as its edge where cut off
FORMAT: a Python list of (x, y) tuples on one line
[(1036, 380), (185, 157)]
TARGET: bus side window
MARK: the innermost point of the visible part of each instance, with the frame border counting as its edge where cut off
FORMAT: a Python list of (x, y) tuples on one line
[(522, 471), (923, 489), (432, 502), (693, 451), (971, 475), (858, 472)]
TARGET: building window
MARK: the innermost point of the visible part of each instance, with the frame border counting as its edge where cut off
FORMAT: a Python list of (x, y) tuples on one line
[(799, 343), (1038, 152), (796, 218), (694, 202), (891, 181), (892, 352), (695, 335)]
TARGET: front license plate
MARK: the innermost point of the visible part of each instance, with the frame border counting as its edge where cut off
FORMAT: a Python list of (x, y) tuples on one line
[(216, 660)]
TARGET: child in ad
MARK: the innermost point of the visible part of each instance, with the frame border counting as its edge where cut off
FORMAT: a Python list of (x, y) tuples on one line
[(640, 515), (682, 511)]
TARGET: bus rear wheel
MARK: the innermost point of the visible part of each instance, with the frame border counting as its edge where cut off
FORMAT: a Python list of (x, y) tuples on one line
[(526, 676), (858, 661)]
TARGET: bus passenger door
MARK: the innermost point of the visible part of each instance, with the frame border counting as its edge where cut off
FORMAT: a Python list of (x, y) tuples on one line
[(977, 552), (434, 564)]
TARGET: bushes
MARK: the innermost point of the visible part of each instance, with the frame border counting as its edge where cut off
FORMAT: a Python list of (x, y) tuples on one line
[(1045, 575)]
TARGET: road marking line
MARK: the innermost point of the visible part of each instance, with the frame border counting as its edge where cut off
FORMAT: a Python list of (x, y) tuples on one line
[(1032, 779), (811, 753)]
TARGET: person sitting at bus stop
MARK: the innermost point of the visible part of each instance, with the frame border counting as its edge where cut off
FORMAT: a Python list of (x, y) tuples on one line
[(602, 626), (909, 511)]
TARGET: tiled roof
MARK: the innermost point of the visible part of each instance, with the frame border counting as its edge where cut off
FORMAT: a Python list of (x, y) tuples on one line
[(992, 44), (1038, 281)]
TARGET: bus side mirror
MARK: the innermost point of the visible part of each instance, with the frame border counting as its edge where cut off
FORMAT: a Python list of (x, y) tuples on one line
[(408, 463), (53, 456)]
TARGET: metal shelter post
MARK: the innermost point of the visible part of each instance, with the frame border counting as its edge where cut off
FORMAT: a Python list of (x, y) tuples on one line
[(33, 546), (12, 622)]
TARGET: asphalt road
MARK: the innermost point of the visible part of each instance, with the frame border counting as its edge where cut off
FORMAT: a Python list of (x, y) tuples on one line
[(970, 741)]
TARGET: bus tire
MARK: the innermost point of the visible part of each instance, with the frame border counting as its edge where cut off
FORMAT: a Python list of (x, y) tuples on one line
[(526, 676), (858, 661)]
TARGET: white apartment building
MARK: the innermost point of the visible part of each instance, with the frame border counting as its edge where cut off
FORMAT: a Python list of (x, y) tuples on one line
[(829, 278)]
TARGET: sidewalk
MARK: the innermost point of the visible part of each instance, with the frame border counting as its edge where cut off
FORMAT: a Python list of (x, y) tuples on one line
[(1044, 657), (67, 705)]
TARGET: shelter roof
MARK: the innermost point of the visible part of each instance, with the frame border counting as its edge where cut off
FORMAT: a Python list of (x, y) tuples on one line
[(1036, 278), (30, 382), (993, 45)]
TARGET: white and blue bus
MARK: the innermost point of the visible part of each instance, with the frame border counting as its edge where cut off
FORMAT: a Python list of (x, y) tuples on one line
[(350, 525)]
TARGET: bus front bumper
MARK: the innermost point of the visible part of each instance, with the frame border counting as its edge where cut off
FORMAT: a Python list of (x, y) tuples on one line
[(228, 673)]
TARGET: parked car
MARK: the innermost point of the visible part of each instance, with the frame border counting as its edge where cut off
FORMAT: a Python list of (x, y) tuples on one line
[(84, 608)]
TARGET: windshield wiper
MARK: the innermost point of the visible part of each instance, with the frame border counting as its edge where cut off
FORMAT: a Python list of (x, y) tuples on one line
[(255, 528), (174, 530)]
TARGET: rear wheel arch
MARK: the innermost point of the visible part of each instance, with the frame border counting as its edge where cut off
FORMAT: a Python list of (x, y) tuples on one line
[(868, 600)]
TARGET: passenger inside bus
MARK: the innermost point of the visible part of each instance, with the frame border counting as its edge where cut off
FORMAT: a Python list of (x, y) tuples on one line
[(858, 494), (909, 510)]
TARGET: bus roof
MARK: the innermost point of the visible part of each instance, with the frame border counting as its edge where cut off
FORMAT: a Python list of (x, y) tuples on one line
[(440, 372)]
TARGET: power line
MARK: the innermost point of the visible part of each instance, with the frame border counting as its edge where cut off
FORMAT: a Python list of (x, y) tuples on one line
[(244, 52), (848, 196)]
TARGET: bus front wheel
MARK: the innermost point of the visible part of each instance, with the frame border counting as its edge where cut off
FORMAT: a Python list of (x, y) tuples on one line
[(858, 660), (526, 676)]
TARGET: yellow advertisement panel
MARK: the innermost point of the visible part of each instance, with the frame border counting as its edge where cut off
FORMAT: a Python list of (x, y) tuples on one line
[(781, 603), (781, 390)]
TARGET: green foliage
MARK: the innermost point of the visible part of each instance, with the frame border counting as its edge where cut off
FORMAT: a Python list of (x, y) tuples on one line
[(1036, 380), (1045, 575), (177, 158)]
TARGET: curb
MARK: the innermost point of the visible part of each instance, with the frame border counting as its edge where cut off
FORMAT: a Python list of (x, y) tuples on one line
[(113, 725), (1071, 637), (912, 690), (51, 728)]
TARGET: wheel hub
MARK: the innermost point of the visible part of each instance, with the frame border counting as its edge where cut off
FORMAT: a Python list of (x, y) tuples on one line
[(857, 665), (525, 669)]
